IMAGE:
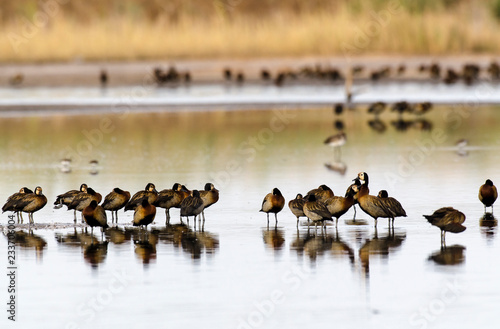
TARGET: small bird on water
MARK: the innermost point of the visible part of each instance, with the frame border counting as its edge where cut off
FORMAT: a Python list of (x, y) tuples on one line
[(488, 194), (273, 202), (447, 219)]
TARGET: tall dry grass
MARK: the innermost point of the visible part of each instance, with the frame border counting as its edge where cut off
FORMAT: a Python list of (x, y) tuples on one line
[(341, 28)]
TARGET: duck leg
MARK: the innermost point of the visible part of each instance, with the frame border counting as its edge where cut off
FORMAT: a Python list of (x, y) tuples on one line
[(276, 218)]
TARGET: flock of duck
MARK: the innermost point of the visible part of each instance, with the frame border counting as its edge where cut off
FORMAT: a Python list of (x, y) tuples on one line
[(319, 205), (143, 203)]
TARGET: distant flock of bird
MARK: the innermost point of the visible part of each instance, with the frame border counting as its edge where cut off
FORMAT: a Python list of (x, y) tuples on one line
[(469, 73), (321, 205)]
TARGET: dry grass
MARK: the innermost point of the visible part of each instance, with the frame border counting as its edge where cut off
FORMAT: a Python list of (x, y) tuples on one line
[(317, 33)]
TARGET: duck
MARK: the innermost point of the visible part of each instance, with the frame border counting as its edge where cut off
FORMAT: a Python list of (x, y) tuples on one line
[(265, 75), (316, 210), (274, 203), (401, 107), (95, 215), (338, 109), (31, 202), (297, 207), (149, 192), (144, 213), (422, 108), (171, 198), (488, 194), (82, 200), (13, 199), (209, 195), (322, 193), (372, 205), (393, 206), (116, 200), (336, 140), (103, 77), (67, 198), (447, 219), (192, 206), (338, 206)]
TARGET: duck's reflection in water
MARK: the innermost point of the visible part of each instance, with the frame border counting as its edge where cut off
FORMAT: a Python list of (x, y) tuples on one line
[(28, 240), (381, 246), (488, 224), (94, 251), (274, 238), (118, 235), (145, 244), (193, 242), (453, 255), (313, 245)]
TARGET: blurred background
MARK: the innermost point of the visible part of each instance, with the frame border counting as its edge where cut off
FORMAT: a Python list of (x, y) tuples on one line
[(93, 30)]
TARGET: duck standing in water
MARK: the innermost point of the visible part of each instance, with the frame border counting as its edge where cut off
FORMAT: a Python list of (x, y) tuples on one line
[(447, 219), (114, 201), (274, 203), (144, 214), (393, 206), (149, 193), (31, 202), (210, 195), (488, 194), (297, 207), (316, 210), (192, 206), (12, 201), (95, 215)]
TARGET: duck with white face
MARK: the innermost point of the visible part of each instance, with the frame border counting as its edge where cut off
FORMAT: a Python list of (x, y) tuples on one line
[(273, 203)]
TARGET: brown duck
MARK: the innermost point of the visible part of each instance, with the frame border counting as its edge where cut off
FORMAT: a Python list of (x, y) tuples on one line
[(31, 202), (171, 198), (488, 194), (95, 215), (297, 207), (149, 192), (322, 193), (114, 201), (316, 210), (447, 219), (13, 199), (192, 206), (338, 206), (210, 195), (274, 203), (144, 214), (82, 200)]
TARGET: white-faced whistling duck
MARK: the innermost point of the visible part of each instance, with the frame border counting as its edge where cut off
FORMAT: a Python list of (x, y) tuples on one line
[(31, 202), (447, 219), (316, 210), (67, 198), (144, 214), (170, 198), (393, 206), (95, 215), (114, 201), (273, 202), (192, 206), (149, 192), (372, 205), (297, 207), (82, 200), (12, 201), (210, 195), (337, 205), (322, 193), (488, 194)]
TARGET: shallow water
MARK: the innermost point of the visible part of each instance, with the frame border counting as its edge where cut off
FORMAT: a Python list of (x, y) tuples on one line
[(237, 273)]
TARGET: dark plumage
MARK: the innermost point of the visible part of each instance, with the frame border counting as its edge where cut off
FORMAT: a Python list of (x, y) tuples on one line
[(149, 193), (488, 194), (144, 213), (274, 203), (67, 198), (316, 210), (95, 215), (116, 200), (192, 205), (210, 195), (322, 193), (171, 198), (393, 206), (14, 199), (31, 202), (376, 108), (297, 207), (447, 219), (82, 200)]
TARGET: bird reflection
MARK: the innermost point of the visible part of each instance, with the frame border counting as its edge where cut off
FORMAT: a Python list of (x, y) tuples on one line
[(192, 242), (383, 246), (453, 255), (28, 240), (402, 125), (95, 252), (337, 166), (274, 238), (318, 244), (488, 224), (377, 125), (145, 245), (118, 235)]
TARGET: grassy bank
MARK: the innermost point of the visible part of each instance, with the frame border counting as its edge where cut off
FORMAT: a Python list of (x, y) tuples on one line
[(137, 29)]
